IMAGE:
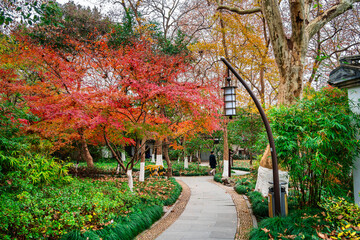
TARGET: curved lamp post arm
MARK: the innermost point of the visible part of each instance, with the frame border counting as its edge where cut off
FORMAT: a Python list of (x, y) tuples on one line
[(270, 138)]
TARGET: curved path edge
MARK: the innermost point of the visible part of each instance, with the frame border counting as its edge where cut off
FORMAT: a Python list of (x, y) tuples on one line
[(171, 215), (246, 219)]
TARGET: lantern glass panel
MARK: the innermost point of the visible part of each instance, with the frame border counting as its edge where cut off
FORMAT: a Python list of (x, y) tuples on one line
[(230, 112), (229, 90), (229, 97), (230, 105)]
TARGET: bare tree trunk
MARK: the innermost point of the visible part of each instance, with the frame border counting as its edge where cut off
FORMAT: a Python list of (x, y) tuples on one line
[(226, 154), (84, 150), (153, 153), (142, 161), (166, 155), (130, 179), (115, 154)]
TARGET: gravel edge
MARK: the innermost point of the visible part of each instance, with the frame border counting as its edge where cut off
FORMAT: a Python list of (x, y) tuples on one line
[(171, 215)]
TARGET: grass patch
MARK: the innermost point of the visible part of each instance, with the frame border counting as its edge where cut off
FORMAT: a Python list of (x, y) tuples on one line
[(194, 169), (241, 169)]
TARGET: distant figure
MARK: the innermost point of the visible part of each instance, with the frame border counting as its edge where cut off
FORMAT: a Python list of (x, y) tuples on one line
[(212, 162)]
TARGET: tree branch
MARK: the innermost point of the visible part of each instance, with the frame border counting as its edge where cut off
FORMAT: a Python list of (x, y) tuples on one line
[(316, 24), (239, 11)]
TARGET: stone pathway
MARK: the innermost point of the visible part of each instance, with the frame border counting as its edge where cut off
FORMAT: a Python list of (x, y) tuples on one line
[(209, 214)]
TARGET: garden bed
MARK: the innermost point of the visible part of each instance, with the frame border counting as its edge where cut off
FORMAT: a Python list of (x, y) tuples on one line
[(85, 208)]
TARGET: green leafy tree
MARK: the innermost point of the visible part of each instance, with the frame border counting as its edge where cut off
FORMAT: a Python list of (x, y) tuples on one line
[(316, 141), (70, 22), (29, 12), (246, 131)]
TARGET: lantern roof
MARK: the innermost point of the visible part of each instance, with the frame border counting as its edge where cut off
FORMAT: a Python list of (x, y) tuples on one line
[(347, 75)]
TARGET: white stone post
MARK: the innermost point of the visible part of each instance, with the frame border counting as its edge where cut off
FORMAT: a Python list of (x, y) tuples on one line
[(186, 162)]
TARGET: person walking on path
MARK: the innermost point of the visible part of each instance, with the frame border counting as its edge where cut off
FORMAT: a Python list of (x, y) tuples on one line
[(212, 162)]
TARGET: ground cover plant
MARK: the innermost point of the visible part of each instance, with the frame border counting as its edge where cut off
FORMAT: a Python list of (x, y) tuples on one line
[(49, 212)]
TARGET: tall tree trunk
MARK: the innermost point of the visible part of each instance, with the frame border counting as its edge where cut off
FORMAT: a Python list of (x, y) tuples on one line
[(119, 160), (167, 158), (142, 161), (262, 85), (159, 156), (84, 150), (130, 179), (226, 153), (153, 154)]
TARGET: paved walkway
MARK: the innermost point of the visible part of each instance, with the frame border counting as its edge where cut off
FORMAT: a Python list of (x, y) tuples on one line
[(209, 214)]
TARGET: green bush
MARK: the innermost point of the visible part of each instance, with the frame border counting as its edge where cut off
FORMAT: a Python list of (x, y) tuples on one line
[(217, 177), (244, 185), (40, 169), (241, 189), (259, 204), (316, 141)]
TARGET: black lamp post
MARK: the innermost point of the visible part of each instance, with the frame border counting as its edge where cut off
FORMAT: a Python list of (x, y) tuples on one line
[(269, 134)]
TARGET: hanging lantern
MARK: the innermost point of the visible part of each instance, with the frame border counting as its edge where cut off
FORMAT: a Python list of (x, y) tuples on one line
[(230, 99)]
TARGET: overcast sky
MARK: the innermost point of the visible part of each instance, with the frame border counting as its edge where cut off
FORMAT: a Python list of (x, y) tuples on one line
[(90, 3)]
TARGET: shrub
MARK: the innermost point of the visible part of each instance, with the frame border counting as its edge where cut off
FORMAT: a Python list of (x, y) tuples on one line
[(244, 185), (241, 189), (343, 218), (302, 224), (259, 204), (123, 228), (217, 177), (305, 136), (48, 212), (40, 169)]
